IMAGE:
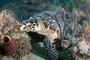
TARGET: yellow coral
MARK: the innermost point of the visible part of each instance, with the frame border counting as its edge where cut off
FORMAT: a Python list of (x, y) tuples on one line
[(87, 31)]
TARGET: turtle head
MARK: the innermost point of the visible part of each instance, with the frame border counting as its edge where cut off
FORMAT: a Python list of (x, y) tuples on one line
[(30, 26)]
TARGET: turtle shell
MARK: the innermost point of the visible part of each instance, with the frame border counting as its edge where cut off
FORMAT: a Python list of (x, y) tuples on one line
[(51, 20)]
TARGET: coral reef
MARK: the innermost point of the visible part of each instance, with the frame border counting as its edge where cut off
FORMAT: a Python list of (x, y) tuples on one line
[(80, 46), (82, 4), (82, 49), (9, 46), (10, 26), (84, 45)]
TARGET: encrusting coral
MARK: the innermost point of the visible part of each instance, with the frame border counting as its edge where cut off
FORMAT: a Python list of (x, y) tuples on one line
[(9, 46), (87, 32), (83, 46), (9, 28)]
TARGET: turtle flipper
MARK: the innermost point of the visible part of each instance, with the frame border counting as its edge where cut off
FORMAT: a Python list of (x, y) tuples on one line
[(51, 50)]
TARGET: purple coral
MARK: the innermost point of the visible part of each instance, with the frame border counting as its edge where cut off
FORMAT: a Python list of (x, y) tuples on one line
[(83, 47)]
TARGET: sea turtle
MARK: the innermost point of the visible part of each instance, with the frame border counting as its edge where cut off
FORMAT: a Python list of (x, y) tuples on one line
[(47, 23)]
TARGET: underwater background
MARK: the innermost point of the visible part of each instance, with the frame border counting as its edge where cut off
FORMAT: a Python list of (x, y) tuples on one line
[(30, 7), (30, 45)]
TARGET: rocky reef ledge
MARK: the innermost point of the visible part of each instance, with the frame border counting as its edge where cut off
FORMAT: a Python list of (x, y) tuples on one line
[(9, 31)]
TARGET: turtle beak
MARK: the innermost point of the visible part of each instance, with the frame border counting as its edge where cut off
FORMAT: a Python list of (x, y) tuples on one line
[(24, 28)]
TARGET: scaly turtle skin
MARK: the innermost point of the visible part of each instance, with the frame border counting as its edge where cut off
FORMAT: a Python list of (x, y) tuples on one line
[(49, 24)]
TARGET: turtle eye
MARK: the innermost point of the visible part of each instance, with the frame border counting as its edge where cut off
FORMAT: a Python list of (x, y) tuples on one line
[(24, 27)]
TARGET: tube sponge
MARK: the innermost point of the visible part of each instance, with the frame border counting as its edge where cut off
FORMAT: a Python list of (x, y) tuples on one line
[(9, 46)]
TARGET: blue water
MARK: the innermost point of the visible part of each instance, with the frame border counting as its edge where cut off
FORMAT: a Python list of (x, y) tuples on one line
[(30, 7), (24, 4)]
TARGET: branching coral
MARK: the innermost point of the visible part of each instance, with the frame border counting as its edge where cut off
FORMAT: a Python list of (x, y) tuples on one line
[(84, 48), (84, 45), (87, 32)]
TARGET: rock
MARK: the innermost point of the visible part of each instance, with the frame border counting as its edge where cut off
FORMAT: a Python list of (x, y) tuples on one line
[(7, 58), (10, 26)]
